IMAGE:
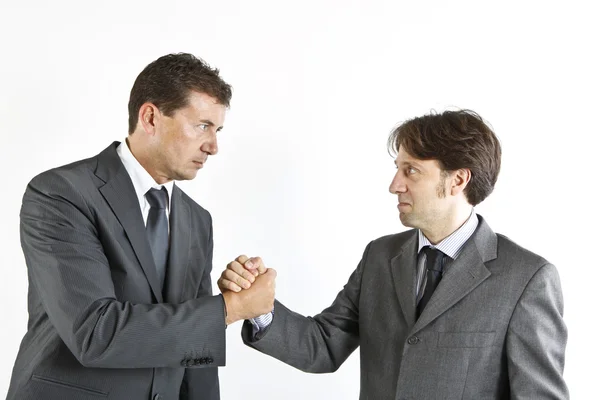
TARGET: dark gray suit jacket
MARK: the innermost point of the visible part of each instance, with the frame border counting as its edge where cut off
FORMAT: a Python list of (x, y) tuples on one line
[(493, 328), (99, 325)]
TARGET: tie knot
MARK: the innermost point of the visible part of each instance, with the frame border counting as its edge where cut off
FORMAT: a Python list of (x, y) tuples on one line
[(157, 198), (434, 258)]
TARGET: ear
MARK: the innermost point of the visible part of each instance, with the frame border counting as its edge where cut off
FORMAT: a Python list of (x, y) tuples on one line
[(148, 117), (459, 180)]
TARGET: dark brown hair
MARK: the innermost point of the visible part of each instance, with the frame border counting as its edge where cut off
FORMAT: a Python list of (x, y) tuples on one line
[(456, 139), (167, 82)]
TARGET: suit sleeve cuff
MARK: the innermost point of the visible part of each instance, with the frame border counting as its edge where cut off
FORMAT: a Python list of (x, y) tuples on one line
[(261, 323)]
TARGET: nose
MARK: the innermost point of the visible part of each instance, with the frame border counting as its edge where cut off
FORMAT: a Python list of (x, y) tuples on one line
[(210, 146), (398, 184)]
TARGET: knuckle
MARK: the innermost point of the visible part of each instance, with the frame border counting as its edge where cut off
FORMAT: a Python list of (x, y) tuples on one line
[(239, 268)]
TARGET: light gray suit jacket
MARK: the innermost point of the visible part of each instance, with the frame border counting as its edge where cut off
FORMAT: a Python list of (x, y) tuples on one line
[(492, 330), (100, 327)]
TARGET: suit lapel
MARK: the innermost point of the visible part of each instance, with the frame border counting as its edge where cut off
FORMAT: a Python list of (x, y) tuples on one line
[(119, 193), (179, 247), (464, 274), (404, 274)]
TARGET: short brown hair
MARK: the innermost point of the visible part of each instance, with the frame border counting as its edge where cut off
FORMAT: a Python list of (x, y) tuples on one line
[(167, 82), (456, 139)]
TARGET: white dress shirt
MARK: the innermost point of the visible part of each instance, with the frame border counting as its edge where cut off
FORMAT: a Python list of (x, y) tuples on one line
[(142, 181)]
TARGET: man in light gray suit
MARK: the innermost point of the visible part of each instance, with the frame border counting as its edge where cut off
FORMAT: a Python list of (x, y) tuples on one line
[(119, 258), (448, 310)]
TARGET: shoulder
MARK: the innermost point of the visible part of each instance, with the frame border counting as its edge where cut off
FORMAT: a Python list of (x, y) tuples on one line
[(519, 263), (510, 250), (69, 179), (196, 209), (389, 246), (395, 238)]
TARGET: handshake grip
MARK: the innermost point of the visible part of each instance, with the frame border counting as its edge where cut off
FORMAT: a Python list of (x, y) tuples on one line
[(248, 289)]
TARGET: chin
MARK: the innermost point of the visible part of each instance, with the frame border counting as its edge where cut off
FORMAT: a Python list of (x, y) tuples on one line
[(191, 175), (186, 175), (406, 220)]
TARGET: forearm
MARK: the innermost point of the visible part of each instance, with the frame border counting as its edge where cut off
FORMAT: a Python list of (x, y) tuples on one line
[(315, 345), (536, 340), (320, 344), (124, 335)]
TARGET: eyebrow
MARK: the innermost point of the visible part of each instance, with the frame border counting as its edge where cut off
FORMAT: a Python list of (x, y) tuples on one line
[(411, 163)]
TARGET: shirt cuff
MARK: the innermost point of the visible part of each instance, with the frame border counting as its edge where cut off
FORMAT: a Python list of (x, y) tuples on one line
[(261, 322)]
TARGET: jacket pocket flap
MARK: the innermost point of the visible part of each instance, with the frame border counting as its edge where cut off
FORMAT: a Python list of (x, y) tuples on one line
[(466, 339), (66, 385)]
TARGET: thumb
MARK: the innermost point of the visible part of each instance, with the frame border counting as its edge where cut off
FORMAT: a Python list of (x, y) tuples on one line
[(271, 274)]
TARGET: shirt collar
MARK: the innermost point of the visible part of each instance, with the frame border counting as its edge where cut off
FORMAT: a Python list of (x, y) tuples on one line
[(453, 244), (142, 180)]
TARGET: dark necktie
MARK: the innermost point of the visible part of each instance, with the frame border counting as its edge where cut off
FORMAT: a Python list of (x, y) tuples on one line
[(157, 230), (433, 263)]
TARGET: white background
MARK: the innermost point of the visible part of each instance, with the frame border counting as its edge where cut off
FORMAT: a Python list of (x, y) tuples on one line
[(302, 174)]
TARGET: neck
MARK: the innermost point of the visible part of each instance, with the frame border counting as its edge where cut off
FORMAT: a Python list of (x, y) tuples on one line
[(142, 154), (449, 225)]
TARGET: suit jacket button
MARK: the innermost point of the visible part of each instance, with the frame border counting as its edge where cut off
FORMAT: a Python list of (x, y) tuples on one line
[(413, 340), (157, 397), (184, 363), (209, 360)]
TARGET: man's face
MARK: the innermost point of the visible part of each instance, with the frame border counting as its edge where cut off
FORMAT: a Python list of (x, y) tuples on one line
[(186, 139), (421, 187)]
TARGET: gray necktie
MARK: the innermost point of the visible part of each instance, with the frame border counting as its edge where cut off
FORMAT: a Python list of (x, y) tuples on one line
[(433, 263), (157, 230)]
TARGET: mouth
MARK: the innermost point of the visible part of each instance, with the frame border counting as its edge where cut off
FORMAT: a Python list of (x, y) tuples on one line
[(198, 164), (403, 205)]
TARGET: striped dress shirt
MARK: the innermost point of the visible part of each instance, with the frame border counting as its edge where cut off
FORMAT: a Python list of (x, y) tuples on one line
[(450, 246)]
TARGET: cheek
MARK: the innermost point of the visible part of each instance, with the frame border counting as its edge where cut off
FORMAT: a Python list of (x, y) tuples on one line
[(172, 151), (424, 196), (190, 140), (184, 143), (189, 134)]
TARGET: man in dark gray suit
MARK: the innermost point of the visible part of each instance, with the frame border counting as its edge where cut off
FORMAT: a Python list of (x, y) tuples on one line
[(119, 258), (448, 310)]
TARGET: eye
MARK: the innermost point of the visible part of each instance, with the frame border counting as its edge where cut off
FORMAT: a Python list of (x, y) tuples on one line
[(203, 127), (411, 171)]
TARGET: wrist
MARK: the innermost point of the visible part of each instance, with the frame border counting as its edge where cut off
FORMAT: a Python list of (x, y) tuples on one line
[(230, 301)]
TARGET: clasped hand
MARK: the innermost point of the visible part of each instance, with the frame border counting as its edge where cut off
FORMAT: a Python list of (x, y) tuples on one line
[(248, 288)]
